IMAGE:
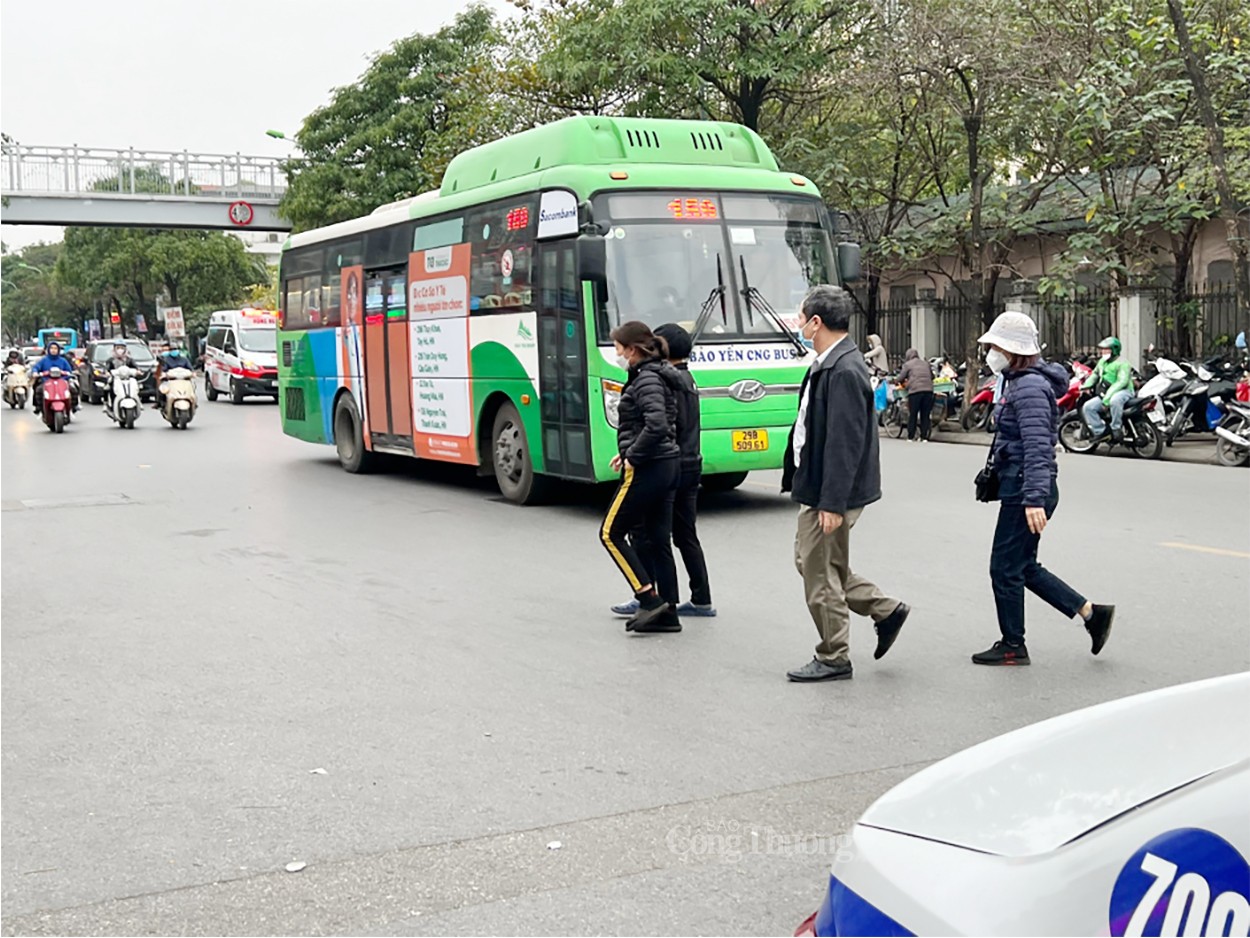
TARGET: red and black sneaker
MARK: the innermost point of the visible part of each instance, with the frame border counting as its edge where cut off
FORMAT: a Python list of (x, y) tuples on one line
[(1002, 653)]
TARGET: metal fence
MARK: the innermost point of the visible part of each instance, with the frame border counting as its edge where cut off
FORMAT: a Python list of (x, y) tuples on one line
[(894, 327), (1200, 324), (956, 321), (33, 170), (1075, 325)]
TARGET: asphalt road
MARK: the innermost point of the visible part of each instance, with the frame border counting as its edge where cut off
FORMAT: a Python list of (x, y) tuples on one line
[(194, 622)]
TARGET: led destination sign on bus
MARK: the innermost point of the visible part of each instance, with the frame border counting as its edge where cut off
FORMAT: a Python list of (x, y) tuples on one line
[(692, 208)]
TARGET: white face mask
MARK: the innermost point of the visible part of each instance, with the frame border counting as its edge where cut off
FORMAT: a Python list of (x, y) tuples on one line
[(997, 360), (623, 362)]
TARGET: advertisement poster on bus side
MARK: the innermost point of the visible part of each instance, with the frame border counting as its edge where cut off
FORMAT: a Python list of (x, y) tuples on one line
[(352, 361), (438, 317)]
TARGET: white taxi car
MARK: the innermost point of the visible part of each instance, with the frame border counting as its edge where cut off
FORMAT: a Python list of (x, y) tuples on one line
[(1127, 818)]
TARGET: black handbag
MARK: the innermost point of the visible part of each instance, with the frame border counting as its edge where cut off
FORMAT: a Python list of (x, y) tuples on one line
[(988, 480)]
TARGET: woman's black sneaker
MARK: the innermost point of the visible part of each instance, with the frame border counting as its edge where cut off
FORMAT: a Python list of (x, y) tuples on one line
[(650, 608), (1002, 653), (1099, 626), (666, 621)]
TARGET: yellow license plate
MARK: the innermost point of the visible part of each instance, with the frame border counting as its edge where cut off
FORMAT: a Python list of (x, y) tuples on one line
[(749, 441)]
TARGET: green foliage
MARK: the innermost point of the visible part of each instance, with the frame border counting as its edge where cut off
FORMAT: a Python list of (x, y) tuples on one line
[(948, 130), (391, 134), (33, 298)]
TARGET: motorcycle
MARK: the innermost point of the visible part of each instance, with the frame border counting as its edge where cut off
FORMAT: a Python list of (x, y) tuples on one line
[(178, 392), (124, 407), (16, 386), (1201, 404), (56, 400), (1141, 435), (1232, 446), (979, 414), (1067, 402)]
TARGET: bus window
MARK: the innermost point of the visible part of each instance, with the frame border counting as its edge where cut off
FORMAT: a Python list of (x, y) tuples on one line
[(312, 300), (438, 234), (338, 255), (294, 316), (387, 247), (502, 236)]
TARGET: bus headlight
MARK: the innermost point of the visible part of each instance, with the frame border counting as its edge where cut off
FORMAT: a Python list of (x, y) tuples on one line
[(612, 402)]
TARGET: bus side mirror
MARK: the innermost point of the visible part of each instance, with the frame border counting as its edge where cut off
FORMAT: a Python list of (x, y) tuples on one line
[(848, 261), (592, 259)]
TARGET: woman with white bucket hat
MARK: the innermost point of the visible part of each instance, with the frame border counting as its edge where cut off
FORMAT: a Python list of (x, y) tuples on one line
[(1024, 473)]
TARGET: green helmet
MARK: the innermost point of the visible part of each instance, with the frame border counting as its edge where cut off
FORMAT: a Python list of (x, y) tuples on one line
[(1112, 343)]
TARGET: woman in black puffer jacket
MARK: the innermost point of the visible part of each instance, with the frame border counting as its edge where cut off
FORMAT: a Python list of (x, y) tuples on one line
[(647, 459), (1023, 454)]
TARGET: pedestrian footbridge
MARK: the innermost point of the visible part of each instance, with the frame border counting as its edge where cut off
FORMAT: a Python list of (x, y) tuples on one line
[(141, 188)]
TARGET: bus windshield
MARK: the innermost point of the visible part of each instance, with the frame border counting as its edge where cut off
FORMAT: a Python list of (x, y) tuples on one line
[(663, 250)]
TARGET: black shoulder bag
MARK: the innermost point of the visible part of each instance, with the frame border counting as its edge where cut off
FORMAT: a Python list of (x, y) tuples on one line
[(987, 480)]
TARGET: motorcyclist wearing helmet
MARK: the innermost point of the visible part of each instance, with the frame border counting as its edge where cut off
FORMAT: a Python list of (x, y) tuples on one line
[(52, 358), (172, 358), (121, 357), (1113, 381), (15, 358)]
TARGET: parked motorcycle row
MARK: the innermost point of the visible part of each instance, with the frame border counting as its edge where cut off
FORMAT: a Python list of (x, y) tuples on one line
[(1211, 398), (119, 389), (1172, 400)]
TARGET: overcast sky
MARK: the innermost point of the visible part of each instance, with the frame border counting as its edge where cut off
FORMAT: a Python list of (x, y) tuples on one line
[(206, 75)]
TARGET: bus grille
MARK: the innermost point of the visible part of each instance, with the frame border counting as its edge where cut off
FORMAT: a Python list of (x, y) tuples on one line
[(295, 404), (286, 354)]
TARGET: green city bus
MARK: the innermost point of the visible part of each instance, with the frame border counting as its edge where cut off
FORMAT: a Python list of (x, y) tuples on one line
[(471, 324)]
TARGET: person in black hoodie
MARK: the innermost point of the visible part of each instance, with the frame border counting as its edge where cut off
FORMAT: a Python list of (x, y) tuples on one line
[(647, 459), (1023, 454), (686, 498)]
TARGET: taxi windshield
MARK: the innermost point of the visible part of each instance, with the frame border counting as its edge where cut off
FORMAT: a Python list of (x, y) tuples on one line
[(664, 251)]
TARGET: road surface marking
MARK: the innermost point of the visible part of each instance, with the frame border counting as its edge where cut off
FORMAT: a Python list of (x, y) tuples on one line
[(1206, 550)]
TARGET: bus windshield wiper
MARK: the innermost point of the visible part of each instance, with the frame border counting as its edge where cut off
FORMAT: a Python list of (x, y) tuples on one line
[(709, 305), (757, 303)]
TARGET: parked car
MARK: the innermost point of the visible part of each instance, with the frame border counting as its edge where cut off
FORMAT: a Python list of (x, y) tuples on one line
[(96, 356), (1127, 818)]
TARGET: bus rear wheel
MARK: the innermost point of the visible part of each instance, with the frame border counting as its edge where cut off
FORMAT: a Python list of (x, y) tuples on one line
[(723, 481), (511, 460), (349, 438)]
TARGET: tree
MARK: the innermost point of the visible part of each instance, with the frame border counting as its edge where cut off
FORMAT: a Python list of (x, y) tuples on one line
[(750, 61), (129, 267), (986, 88), (33, 297), (1233, 207), (391, 134), (872, 147)]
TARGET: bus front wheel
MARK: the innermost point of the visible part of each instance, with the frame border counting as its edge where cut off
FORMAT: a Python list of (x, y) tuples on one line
[(510, 458), (723, 481), (349, 438)]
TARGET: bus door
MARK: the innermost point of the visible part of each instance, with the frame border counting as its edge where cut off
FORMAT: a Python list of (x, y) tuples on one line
[(562, 378), (388, 367)]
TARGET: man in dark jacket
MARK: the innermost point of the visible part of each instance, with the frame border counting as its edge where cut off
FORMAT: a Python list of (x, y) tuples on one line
[(686, 497), (832, 470), (917, 377)]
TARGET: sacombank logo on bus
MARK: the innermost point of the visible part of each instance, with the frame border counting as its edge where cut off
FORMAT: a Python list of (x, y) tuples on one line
[(557, 214)]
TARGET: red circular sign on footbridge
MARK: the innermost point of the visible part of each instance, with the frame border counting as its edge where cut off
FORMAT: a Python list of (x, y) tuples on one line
[(241, 213)]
